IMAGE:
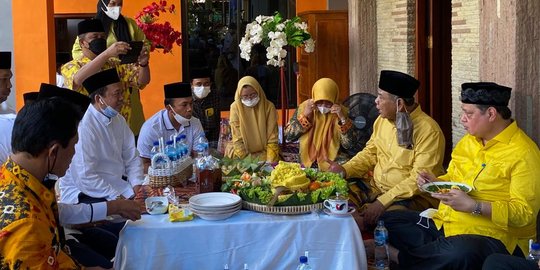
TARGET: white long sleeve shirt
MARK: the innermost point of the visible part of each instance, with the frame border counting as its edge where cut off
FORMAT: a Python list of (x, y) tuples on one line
[(104, 153), (6, 128), (159, 125), (81, 213)]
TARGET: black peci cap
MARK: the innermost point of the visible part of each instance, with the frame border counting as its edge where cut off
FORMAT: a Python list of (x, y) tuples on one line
[(398, 83)]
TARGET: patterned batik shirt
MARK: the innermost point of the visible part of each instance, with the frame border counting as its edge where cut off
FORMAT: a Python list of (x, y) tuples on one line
[(128, 74), (29, 232)]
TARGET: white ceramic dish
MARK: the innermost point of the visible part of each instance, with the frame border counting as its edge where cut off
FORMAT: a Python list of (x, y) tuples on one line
[(328, 212), (213, 212), (216, 217), (430, 187), (214, 200), (156, 205), (214, 208)]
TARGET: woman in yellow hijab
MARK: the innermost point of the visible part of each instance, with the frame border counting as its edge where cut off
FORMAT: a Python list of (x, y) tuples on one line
[(253, 121), (321, 125)]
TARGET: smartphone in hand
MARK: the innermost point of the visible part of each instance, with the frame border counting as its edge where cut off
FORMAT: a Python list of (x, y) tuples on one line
[(132, 55)]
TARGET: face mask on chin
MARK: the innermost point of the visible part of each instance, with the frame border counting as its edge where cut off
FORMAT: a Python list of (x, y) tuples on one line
[(404, 129), (201, 91), (323, 109), (97, 46), (108, 111), (252, 102), (180, 119), (111, 12)]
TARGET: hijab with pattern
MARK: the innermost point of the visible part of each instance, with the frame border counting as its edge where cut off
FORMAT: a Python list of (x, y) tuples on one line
[(322, 140)]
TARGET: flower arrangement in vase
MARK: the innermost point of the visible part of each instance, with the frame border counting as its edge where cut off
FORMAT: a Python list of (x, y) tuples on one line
[(161, 35), (275, 33)]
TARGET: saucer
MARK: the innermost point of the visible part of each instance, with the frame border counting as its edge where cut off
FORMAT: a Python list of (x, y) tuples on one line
[(351, 210)]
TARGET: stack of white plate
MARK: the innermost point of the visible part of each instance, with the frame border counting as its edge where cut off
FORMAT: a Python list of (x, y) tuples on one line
[(215, 205)]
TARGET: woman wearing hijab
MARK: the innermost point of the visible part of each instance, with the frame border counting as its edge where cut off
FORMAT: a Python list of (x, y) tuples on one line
[(120, 28), (253, 121), (321, 125)]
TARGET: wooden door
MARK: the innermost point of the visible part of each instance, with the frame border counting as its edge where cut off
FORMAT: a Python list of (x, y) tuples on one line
[(433, 63)]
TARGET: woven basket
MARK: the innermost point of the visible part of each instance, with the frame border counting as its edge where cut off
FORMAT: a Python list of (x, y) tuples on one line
[(281, 210), (174, 173)]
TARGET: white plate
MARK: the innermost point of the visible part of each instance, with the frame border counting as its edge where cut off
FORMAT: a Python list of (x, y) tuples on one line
[(445, 185), (215, 212), (214, 200), (215, 209), (217, 217), (328, 212)]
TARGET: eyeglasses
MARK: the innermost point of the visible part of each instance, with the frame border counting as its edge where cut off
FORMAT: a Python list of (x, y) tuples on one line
[(249, 97)]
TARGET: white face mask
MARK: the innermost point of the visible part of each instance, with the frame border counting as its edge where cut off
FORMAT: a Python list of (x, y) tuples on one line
[(252, 102), (201, 91), (112, 12), (323, 109), (180, 119)]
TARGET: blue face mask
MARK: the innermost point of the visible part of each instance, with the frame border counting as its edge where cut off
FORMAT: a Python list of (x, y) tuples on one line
[(108, 111)]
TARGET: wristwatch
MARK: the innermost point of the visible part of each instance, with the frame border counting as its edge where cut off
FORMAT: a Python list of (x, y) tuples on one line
[(477, 209)]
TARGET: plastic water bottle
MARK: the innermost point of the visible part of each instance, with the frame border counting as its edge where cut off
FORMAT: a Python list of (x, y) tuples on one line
[(534, 252), (201, 145), (170, 151), (155, 149), (181, 146), (160, 162), (381, 249), (303, 264)]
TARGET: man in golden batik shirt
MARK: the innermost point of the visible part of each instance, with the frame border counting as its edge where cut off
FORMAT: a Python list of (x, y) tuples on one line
[(44, 136), (97, 57)]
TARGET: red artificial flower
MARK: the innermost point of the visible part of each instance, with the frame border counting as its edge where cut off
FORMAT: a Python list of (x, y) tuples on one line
[(161, 35)]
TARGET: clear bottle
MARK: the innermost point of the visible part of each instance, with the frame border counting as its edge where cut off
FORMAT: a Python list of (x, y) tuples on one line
[(170, 151), (201, 145), (160, 162), (534, 252), (303, 264), (179, 149), (381, 250), (226, 267)]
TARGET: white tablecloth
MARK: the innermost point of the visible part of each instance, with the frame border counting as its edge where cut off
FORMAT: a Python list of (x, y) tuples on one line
[(262, 241)]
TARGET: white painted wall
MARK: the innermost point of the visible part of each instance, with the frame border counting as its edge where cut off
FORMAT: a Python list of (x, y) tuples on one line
[(6, 44)]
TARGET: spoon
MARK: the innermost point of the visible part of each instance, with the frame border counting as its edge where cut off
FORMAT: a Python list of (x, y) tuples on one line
[(154, 204), (429, 181)]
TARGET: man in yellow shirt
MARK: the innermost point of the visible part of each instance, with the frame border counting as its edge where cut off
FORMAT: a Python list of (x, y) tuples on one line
[(97, 57), (44, 136), (502, 165), (405, 141)]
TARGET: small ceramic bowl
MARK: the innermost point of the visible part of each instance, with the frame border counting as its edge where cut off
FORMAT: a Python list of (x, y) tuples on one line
[(156, 205)]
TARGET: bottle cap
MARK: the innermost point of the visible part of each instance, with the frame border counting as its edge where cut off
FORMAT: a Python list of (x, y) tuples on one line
[(156, 143), (303, 259), (535, 246), (169, 142)]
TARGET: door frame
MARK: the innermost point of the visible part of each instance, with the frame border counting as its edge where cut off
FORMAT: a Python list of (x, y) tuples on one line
[(434, 63)]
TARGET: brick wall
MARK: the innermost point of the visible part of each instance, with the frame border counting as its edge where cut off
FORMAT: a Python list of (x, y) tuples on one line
[(396, 35), (465, 55)]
